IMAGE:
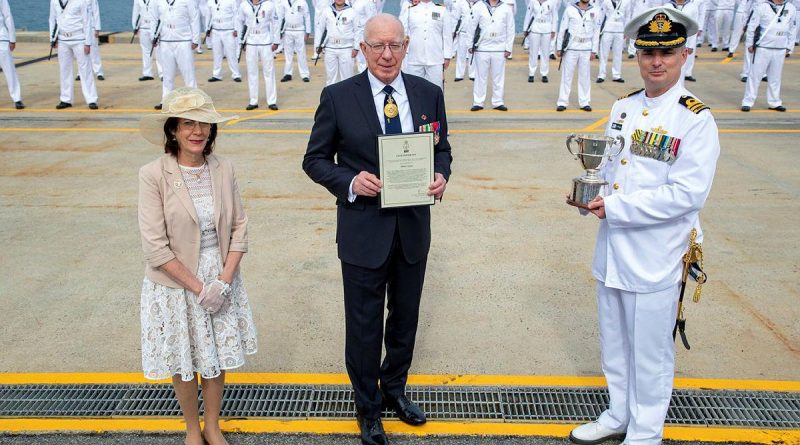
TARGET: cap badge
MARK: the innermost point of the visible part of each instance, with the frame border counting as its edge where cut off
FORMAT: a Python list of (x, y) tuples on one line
[(660, 23)]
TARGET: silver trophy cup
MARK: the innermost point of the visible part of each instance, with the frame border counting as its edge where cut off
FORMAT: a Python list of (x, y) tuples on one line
[(592, 152)]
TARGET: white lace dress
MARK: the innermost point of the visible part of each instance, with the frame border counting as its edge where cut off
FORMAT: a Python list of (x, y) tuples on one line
[(178, 335)]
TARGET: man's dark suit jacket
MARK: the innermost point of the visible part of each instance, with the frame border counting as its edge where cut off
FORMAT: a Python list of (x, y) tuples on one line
[(345, 127)]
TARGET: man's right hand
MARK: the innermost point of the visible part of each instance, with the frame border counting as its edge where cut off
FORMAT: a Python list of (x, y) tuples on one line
[(367, 184), (558, 53), (751, 49)]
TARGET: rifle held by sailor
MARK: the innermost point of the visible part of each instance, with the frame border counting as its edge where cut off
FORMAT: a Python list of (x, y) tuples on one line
[(156, 36), (475, 40), (321, 45), (563, 51), (242, 42), (136, 27), (53, 41)]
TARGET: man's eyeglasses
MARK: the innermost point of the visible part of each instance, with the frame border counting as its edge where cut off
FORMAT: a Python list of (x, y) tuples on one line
[(381, 47)]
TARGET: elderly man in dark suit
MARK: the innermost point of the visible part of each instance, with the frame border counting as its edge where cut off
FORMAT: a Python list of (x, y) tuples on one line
[(383, 251)]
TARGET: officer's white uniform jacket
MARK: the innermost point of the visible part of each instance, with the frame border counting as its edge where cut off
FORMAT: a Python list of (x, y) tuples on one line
[(778, 36), (462, 10), (74, 22), (497, 27), (726, 5), (343, 28), (545, 16), (142, 11), (261, 21), (655, 191), (430, 34), (222, 15), (615, 17), (180, 20), (583, 29), (296, 14), (7, 31)]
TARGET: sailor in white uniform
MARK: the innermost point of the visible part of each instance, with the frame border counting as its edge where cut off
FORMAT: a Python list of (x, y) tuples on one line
[(261, 40), (430, 41), (8, 41), (295, 17), (541, 18), (178, 36), (71, 32), (691, 8), (493, 23), (94, 53), (221, 24), (339, 25), (143, 25), (615, 15), (580, 30), (657, 186)]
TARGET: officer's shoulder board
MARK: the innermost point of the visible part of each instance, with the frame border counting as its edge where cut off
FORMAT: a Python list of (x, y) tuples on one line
[(694, 105), (631, 94)]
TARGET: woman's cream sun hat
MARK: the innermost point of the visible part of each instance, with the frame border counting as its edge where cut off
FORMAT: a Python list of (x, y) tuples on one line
[(183, 102)]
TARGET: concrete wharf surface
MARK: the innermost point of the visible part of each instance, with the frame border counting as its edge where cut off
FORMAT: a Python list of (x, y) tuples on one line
[(508, 291)]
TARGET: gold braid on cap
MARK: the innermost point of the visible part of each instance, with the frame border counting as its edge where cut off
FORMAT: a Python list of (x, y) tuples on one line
[(678, 41)]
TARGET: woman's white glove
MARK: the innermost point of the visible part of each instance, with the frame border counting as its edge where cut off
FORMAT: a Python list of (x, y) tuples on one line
[(213, 295)]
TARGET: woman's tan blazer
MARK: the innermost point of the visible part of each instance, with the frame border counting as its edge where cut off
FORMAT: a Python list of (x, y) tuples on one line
[(168, 221)]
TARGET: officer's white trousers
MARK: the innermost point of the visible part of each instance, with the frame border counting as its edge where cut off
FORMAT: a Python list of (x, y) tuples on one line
[(431, 73), (738, 29), (463, 57), (94, 53), (638, 358), (338, 63), (68, 52), (613, 42), (224, 44), (688, 67), (176, 57), (710, 30), (146, 43), (538, 51), (494, 62), (747, 63), (7, 64), (261, 54), (724, 24), (769, 62), (294, 43), (580, 60)]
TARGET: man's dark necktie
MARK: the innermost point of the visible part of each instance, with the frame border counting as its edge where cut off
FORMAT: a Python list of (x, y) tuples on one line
[(391, 114)]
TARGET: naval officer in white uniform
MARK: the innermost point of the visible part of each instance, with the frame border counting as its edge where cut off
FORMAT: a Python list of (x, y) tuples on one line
[(430, 40), (8, 41), (658, 184), (221, 24), (71, 32), (178, 36)]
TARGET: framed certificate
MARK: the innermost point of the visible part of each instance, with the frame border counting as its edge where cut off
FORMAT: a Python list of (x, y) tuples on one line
[(406, 168)]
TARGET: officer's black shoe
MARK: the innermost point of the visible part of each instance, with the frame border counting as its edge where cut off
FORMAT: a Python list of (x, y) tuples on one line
[(713, 50), (620, 80), (92, 106), (745, 108), (552, 57), (476, 108), (251, 107), (286, 78), (690, 79), (744, 79), (730, 54), (586, 108), (78, 77), (458, 79), (600, 80), (561, 108), (214, 79), (472, 79), (19, 105), (237, 79), (62, 105), (764, 79), (145, 78), (408, 411), (780, 108), (273, 107), (530, 79), (545, 79), (101, 77), (501, 108), (157, 107), (631, 56), (372, 432), (726, 49), (306, 79)]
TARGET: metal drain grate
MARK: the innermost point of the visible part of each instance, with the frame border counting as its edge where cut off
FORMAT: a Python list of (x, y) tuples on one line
[(507, 404)]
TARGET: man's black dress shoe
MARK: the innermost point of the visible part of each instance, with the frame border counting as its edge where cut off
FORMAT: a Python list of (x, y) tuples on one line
[(501, 108), (251, 107), (62, 105), (780, 108), (561, 108), (552, 57), (273, 107), (586, 108), (620, 80), (214, 79), (101, 77), (78, 77), (372, 432), (19, 105), (92, 106), (545, 79), (472, 79), (600, 80), (458, 79), (145, 78), (690, 79), (730, 54), (237, 79), (764, 79), (713, 50), (744, 79), (530, 79), (286, 78), (631, 56), (306, 79), (745, 108), (476, 108), (406, 410)]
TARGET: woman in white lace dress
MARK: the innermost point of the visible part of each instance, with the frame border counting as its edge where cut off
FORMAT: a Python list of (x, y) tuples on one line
[(196, 318)]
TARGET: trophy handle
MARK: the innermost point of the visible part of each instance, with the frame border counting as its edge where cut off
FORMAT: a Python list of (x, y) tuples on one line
[(570, 138), (621, 141)]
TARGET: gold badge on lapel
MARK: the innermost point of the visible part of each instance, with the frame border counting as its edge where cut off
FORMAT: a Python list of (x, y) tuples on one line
[(424, 117)]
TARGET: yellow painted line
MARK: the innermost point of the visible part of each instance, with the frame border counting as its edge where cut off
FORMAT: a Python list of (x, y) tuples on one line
[(726, 60), (414, 379), (241, 111), (432, 428), (257, 116), (597, 125)]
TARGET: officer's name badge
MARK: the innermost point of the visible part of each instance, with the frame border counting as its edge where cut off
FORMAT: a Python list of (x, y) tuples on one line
[(435, 15), (432, 127), (655, 145)]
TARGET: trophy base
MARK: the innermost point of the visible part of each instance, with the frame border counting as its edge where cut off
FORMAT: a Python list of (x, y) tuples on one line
[(583, 192)]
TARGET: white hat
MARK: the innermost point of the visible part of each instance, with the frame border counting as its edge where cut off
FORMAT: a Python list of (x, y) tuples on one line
[(183, 102), (660, 27)]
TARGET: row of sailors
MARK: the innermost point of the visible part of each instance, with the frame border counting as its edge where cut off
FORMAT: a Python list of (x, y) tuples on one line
[(478, 33)]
